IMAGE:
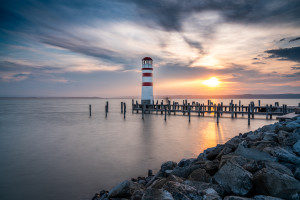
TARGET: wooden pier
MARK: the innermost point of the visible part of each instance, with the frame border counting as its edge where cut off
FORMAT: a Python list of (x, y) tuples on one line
[(196, 108)]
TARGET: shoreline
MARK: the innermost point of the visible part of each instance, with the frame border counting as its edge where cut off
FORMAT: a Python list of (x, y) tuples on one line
[(263, 165)]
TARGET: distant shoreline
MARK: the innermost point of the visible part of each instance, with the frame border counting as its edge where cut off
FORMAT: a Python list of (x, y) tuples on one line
[(241, 96)]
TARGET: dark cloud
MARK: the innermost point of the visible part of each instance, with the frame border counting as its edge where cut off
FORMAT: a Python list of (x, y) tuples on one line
[(292, 54), (295, 39), (258, 63), (255, 58), (170, 14), (295, 68), (281, 39)]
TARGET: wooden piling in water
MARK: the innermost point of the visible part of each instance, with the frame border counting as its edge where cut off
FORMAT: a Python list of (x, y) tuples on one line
[(165, 113), (267, 110), (90, 109), (235, 114), (122, 107), (107, 105), (249, 114), (270, 111), (189, 110), (124, 110)]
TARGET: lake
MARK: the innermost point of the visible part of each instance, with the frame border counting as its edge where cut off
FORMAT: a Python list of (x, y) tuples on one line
[(51, 149)]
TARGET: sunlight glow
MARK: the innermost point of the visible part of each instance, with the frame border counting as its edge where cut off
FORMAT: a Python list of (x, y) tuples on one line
[(212, 82)]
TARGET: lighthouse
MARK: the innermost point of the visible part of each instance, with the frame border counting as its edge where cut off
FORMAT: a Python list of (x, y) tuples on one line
[(147, 85)]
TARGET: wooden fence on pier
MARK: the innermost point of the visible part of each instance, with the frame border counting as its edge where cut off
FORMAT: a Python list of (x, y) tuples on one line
[(218, 110)]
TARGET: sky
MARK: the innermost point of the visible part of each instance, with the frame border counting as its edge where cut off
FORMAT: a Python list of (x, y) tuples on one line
[(94, 48)]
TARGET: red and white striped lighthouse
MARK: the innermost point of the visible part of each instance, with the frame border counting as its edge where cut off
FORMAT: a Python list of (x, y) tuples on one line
[(147, 85)]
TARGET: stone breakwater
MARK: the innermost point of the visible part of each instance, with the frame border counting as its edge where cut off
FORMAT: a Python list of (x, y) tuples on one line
[(263, 165)]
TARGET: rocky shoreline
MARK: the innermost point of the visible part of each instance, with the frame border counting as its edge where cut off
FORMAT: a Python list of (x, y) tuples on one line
[(263, 165)]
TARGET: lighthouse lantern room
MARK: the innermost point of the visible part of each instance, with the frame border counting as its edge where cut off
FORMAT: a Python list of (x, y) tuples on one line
[(147, 85)]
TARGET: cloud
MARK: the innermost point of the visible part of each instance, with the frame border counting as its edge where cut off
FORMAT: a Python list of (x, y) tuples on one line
[(291, 54), (258, 63), (295, 68), (295, 39)]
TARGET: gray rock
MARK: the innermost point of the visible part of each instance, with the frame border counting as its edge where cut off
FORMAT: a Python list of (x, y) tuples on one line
[(233, 142), (121, 190), (168, 166), (200, 175), (182, 191), (158, 194), (234, 179), (226, 150), (285, 156), (254, 136), (158, 184), (137, 195), (183, 172), (296, 148), (253, 166), (253, 154), (277, 166), (273, 183), (210, 194), (270, 136), (186, 162), (236, 198), (168, 172), (293, 125), (263, 197), (286, 138), (237, 159), (211, 167), (203, 186), (297, 173), (211, 153)]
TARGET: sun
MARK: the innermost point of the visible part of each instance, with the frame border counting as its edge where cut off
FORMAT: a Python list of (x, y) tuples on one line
[(212, 82)]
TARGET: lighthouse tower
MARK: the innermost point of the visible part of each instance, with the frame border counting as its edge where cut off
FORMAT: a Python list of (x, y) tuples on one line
[(147, 85)]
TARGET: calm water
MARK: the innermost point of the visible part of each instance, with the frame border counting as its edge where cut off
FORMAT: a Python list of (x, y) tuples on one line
[(51, 148)]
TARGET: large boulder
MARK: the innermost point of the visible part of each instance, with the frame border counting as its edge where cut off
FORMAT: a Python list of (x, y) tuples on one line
[(169, 165), (253, 154), (182, 191), (158, 194), (286, 156), (186, 162), (263, 197), (270, 136), (237, 159), (123, 189), (234, 142), (286, 138), (183, 172), (211, 153), (293, 125), (273, 183), (200, 175), (296, 148), (279, 167), (236, 198), (234, 179), (200, 186)]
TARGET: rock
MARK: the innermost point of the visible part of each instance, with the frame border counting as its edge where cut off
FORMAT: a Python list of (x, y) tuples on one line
[(183, 172), (168, 166), (297, 173), (253, 166), (254, 136), (286, 138), (175, 179), (277, 166), (211, 153), (210, 194), (273, 183), (263, 197), (285, 156), (296, 148), (270, 136), (158, 184), (121, 190), (168, 172), (233, 142), (261, 145), (237, 159), (293, 125), (157, 194), (186, 162), (226, 150), (203, 186), (234, 179), (200, 175), (236, 198), (253, 154), (181, 191), (137, 195), (211, 167)]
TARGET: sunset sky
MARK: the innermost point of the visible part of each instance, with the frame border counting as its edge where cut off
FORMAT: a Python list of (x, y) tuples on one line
[(95, 47)]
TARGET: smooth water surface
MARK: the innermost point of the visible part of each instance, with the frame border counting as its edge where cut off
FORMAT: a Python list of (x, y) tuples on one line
[(51, 149)]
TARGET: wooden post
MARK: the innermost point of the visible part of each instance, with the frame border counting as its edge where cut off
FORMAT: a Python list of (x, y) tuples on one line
[(90, 109), (107, 105), (132, 106), (124, 110), (253, 106), (242, 110), (218, 113), (169, 107), (106, 110), (232, 111), (161, 107), (143, 107), (270, 111), (137, 107), (235, 114), (221, 108), (267, 109), (258, 103), (249, 114), (122, 107), (189, 110), (165, 113)]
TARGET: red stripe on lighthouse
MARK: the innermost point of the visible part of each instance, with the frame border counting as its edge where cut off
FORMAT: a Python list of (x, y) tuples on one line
[(147, 84), (147, 68), (147, 74)]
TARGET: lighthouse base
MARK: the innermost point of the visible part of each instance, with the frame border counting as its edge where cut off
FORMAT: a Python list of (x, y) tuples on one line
[(148, 101)]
